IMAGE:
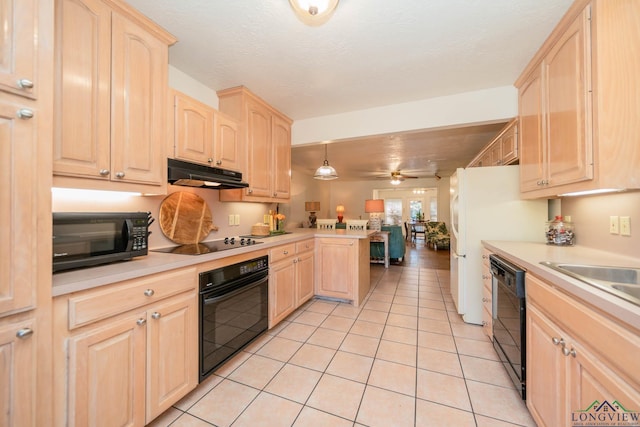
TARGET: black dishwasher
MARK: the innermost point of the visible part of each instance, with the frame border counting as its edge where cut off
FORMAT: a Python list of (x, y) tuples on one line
[(509, 325)]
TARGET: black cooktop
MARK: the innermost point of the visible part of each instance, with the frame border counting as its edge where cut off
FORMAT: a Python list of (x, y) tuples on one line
[(209, 247)]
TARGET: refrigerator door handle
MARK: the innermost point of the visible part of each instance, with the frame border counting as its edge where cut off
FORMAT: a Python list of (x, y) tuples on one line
[(456, 255)]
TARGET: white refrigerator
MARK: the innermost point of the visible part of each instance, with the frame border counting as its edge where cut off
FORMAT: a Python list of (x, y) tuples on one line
[(486, 205)]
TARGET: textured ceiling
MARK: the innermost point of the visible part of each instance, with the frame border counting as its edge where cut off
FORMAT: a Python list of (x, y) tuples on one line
[(371, 52)]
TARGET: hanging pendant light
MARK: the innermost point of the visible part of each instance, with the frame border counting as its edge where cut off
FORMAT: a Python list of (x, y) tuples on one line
[(325, 172), (314, 12)]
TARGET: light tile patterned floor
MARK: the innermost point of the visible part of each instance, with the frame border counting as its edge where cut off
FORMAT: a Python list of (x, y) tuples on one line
[(404, 358)]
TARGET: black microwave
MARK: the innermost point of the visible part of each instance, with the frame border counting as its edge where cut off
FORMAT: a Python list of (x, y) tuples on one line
[(85, 239)]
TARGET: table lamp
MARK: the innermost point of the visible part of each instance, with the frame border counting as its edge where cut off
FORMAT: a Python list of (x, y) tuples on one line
[(374, 207), (312, 208), (340, 211)]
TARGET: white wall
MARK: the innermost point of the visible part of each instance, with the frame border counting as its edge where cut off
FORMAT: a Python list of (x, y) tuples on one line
[(188, 85), (489, 105)]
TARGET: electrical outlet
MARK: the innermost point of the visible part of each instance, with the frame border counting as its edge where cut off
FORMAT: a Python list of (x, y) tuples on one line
[(625, 226), (614, 225), (230, 219), (236, 219)]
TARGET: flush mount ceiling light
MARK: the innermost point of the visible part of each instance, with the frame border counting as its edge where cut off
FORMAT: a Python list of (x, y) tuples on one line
[(314, 12), (325, 172)]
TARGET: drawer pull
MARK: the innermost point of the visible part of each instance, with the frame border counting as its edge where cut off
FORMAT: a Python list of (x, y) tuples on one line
[(149, 292), (25, 84), (557, 341), (120, 175), (141, 322), (24, 333), (104, 172), (25, 113), (485, 299), (285, 252), (156, 315), (485, 277)]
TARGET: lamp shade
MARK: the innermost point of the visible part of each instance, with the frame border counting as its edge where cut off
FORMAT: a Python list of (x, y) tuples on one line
[(312, 206), (374, 205), (314, 12), (340, 209)]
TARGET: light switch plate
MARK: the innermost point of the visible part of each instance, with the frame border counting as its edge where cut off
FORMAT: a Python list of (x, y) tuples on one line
[(625, 226), (231, 220), (614, 225), (236, 219)]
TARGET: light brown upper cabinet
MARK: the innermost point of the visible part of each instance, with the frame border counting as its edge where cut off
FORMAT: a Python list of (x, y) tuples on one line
[(111, 89), (502, 150), (579, 103), (18, 47), (204, 135), (265, 140)]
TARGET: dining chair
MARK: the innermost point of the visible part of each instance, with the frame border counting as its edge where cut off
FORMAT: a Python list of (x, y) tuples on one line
[(416, 229)]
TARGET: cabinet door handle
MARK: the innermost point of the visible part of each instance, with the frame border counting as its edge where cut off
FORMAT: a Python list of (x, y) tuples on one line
[(25, 114), (209, 160), (141, 321), (156, 315), (25, 84), (285, 252), (484, 257), (149, 292), (557, 341), (568, 352), (485, 300), (249, 191), (119, 174), (484, 277), (24, 333), (218, 162), (295, 261), (104, 172)]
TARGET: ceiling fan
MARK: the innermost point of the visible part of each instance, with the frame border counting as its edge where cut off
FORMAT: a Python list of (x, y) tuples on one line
[(397, 177)]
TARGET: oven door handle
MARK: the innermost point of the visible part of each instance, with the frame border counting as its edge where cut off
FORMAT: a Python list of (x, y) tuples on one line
[(214, 300)]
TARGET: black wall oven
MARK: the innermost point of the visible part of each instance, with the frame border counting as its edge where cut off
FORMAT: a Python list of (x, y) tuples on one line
[(233, 310), (509, 325)]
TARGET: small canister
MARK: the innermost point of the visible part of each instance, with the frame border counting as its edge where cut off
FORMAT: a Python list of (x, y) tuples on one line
[(560, 232)]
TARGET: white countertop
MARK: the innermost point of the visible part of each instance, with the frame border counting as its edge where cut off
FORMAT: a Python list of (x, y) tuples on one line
[(529, 255), (158, 262)]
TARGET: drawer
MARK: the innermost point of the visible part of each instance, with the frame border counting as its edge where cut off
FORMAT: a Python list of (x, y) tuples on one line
[(107, 301), (487, 323), (485, 257), (281, 252), (487, 299), (305, 245), (486, 278)]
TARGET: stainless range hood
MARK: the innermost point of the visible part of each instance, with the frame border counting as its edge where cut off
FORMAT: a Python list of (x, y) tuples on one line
[(193, 175)]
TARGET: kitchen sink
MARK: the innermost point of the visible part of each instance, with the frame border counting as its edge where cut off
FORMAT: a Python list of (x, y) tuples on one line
[(633, 290), (624, 282)]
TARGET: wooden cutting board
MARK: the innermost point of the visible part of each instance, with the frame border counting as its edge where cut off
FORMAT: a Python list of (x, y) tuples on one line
[(185, 218)]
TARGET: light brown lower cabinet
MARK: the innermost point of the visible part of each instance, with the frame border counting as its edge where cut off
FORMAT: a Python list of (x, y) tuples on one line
[(342, 268), (17, 373), (487, 295), (126, 369), (576, 356), (291, 275)]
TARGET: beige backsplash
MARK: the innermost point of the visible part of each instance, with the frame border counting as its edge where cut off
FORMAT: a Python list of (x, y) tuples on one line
[(250, 213), (590, 215)]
